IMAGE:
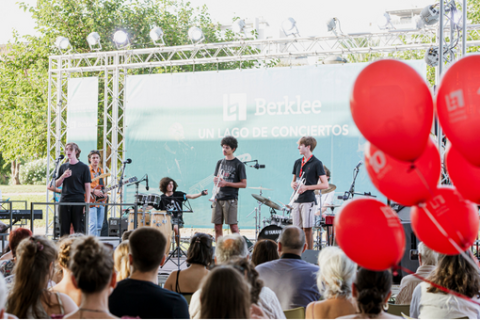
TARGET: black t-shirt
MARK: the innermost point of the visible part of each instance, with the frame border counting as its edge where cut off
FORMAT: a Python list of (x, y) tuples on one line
[(144, 299), (233, 171), (73, 187), (173, 203), (313, 169)]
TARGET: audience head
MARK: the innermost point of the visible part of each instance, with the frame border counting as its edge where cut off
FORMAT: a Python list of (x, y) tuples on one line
[(200, 250), (229, 247), (457, 274), (126, 235), (147, 249), (3, 296), (291, 240), (251, 275), (372, 290), (15, 237), (427, 256), (337, 273), (264, 251), (122, 264), (33, 270), (91, 265), (225, 295), (65, 249)]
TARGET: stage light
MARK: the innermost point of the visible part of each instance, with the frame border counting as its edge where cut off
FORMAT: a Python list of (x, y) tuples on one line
[(238, 26), (385, 22), (62, 43), (430, 14), (334, 60), (93, 40), (157, 34), (332, 24), (431, 56), (196, 35), (121, 39), (289, 27)]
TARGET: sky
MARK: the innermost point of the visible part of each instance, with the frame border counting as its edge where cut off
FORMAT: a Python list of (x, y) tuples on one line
[(310, 15)]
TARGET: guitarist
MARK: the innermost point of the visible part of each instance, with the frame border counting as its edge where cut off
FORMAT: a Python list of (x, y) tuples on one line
[(97, 213)]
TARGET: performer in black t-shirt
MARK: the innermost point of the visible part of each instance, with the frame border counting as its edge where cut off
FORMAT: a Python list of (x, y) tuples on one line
[(75, 180), (230, 175), (303, 211), (172, 200)]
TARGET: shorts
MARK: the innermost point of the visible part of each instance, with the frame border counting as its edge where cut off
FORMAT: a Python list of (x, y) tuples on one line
[(225, 210), (303, 214)]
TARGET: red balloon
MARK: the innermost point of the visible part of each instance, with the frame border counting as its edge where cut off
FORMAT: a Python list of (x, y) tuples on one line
[(458, 106), (393, 108), (458, 218), (370, 233), (464, 175), (404, 182)]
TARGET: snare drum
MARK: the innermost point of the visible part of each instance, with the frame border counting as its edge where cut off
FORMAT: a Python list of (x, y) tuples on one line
[(140, 199), (271, 232), (153, 200)]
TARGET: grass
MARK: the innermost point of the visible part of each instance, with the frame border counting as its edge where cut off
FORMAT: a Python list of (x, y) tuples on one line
[(22, 188)]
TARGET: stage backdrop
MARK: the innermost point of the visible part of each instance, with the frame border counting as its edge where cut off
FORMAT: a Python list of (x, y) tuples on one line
[(175, 123)]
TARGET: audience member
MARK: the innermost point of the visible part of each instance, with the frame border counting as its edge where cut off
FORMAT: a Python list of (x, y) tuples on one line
[(66, 285), (292, 279), (260, 295), (371, 290), (122, 264), (427, 259), (14, 238), (29, 297), (91, 266), (264, 251), (199, 256), (225, 295), (126, 235), (454, 273), (3, 300), (334, 281), (140, 295)]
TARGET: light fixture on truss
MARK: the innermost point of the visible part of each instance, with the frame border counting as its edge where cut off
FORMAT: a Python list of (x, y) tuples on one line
[(93, 40), (289, 27), (196, 35), (120, 38), (432, 55), (238, 26), (156, 34), (63, 45), (332, 25), (385, 22)]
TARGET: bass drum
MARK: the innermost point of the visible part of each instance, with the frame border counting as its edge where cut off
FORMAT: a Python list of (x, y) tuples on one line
[(271, 232)]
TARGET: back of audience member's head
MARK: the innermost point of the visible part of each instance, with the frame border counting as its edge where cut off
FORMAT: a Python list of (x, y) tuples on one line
[(229, 247), (225, 295), (292, 240), (126, 235), (147, 247), (457, 274), (248, 269), (427, 255), (200, 250), (337, 273), (3, 296), (372, 289), (264, 251), (15, 237), (122, 263), (65, 249), (33, 270), (91, 264)]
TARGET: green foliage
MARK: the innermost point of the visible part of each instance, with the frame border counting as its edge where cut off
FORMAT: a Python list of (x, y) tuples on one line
[(34, 172)]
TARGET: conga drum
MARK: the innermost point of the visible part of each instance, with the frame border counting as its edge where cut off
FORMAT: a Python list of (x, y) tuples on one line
[(140, 222), (163, 222)]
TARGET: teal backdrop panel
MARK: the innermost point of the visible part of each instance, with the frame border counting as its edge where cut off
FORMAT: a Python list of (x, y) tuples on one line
[(175, 123)]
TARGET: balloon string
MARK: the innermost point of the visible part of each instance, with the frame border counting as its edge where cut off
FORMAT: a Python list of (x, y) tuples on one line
[(420, 175), (448, 291)]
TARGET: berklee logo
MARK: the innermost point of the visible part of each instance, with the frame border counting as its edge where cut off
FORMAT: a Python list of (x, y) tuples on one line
[(235, 107), (456, 106)]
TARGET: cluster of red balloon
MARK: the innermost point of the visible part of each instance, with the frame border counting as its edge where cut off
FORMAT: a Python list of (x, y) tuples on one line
[(393, 108)]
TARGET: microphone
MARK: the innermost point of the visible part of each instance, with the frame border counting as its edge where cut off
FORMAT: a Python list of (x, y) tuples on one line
[(60, 157), (127, 161), (258, 166), (358, 165), (146, 179)]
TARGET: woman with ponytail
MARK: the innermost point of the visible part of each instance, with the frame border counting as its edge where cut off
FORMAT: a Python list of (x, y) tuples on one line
[(91, 265), (30, 298), (122, 264)]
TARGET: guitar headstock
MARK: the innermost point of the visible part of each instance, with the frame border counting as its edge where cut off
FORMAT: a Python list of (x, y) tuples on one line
[(131, 180)]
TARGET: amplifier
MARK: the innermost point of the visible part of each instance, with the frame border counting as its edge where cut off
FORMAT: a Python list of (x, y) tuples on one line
[(117, 226)]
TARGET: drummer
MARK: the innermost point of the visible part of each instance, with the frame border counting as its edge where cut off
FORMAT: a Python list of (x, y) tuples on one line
[(172, 200), (325, 199)]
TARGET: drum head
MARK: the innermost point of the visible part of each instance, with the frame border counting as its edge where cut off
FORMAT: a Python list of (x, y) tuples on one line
[(271, 232)]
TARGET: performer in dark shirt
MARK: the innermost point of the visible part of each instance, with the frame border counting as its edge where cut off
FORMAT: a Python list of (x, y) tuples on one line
[(172, 200), (230, 175), (303, 211), (75, 181)]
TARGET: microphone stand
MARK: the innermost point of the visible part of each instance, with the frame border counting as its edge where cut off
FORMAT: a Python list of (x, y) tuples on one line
[(256, 166), (120, 181), (351, 193)]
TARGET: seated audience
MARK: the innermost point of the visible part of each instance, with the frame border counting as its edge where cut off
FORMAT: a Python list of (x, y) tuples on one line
[(454, 273), (292, 279), (91, 266), (264, 251), (122, 263), (29, 297), (371, 290), (3, 300), (140, 295), (334, 281), (427, 259), (14, 238), (260, 295), (126, 235), (66, 285), (199, 256)]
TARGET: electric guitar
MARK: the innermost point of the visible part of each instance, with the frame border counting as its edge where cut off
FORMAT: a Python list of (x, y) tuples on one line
[(95, 198)]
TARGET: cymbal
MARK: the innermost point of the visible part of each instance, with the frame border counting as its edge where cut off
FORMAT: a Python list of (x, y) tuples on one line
[(259, 188), (331, 187), (267, 202), (101, 176), (332, 206)]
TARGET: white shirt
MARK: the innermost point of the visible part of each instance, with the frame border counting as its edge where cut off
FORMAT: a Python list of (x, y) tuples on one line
[(428, 305), (324, 200)]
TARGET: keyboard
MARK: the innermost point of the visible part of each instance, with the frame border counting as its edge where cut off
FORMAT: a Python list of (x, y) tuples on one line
[(21, 214)]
